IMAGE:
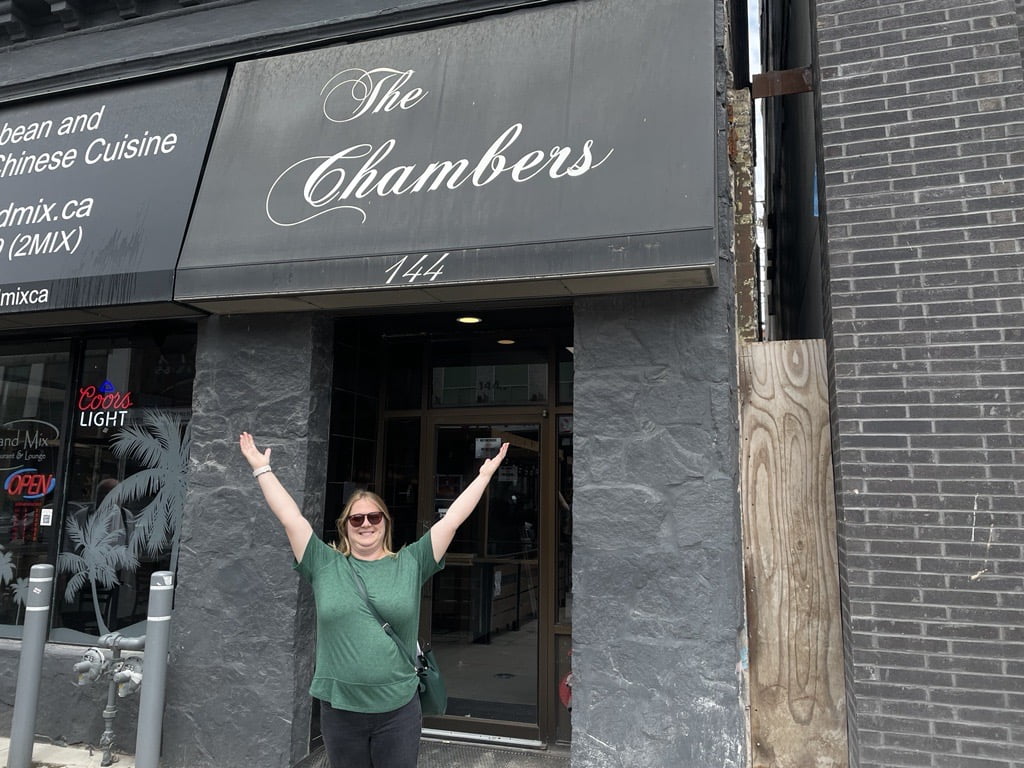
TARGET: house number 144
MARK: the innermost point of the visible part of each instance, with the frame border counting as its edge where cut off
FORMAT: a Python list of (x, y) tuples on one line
[(421, 269)]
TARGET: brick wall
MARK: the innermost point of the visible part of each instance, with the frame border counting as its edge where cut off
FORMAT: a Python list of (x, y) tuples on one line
[(1020, 18), (923, 173)]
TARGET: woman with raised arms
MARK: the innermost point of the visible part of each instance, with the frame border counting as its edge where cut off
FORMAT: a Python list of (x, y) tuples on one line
[(369, 704)]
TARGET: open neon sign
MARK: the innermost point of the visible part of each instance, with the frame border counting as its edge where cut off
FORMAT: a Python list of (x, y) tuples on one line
[(29, 483)]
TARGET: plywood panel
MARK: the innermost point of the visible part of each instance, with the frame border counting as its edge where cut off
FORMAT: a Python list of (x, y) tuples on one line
[(797, 703)]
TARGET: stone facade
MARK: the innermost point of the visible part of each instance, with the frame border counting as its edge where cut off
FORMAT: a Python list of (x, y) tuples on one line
[(242, 621), (658, 618)]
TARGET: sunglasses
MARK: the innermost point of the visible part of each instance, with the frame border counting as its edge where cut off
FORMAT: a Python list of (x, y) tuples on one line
[(356, 521)]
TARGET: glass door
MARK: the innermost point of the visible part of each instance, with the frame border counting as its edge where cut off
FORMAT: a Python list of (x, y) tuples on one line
[(484, 608)]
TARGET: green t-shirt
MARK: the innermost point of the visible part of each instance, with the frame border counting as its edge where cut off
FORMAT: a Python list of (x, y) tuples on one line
[(358, 666)]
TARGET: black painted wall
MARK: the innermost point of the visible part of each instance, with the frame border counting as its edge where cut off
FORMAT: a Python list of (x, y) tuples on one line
[(242, 639), (657, 615)]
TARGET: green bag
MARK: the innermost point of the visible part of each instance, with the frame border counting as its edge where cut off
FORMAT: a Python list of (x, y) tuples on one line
[(433, 694)]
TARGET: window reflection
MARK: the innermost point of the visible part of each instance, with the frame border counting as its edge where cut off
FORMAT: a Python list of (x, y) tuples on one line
[(563, 602), (490, 384), (115, 517), (485, 603), (126, 487), (482, 372), (32, 401)]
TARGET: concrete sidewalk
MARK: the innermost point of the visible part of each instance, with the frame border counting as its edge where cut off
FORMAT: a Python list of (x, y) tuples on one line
[(46, 755), (433, 754)]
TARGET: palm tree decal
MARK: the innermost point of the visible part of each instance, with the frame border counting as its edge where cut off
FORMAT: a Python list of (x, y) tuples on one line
[(99, 553), (161, 444), (7, 570), (6, 566), (19, 591)]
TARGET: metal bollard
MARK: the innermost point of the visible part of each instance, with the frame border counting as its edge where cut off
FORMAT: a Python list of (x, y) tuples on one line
[(154, 671), (30, 667)]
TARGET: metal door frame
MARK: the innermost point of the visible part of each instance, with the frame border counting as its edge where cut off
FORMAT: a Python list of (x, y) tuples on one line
[(543, 732)]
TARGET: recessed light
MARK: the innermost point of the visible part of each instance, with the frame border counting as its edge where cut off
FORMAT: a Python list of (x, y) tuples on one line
[(506, 341), (468, 319)]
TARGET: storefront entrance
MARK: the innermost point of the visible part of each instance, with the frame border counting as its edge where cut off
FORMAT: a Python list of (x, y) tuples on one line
[(499, 615), (483, 611)]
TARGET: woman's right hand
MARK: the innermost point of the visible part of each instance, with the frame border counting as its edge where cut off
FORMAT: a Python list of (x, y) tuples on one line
[(278, 499), (251, 453)]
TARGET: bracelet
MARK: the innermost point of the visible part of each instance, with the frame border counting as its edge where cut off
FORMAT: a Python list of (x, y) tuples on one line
[(261, 470)]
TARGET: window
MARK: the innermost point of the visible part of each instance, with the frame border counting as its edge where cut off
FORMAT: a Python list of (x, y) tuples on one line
[(104, 499), (486, 374), (33, 382)]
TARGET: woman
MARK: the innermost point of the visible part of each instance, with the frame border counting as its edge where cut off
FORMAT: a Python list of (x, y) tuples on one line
[(369, 703)]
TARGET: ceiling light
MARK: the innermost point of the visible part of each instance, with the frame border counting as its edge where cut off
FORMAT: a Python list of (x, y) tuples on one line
[(468, 319), (506, 341)]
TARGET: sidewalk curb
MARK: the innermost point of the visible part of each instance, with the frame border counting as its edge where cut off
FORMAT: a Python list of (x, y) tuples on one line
[(47, 755)]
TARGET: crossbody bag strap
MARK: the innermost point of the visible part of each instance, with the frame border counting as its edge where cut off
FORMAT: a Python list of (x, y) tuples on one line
[(386, 626)]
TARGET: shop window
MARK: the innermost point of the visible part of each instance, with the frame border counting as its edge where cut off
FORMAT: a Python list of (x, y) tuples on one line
[(33, 398), (117, 466), (565, 376), (497, 368)]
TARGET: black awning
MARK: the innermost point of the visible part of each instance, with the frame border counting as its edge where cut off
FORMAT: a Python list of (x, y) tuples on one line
[(541, 148), (95, 194)]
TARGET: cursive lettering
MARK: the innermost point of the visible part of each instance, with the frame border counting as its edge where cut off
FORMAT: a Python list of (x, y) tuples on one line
[(337, 182), (89, 399), (369, 91)]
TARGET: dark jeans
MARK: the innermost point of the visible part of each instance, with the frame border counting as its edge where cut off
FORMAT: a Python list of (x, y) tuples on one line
[(376, 740)]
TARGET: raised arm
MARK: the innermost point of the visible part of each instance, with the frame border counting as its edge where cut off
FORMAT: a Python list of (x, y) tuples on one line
[(443, 531), (278, 499)]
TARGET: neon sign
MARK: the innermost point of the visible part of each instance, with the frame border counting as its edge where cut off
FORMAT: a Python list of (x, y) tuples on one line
[(29, 483), (103, 406)]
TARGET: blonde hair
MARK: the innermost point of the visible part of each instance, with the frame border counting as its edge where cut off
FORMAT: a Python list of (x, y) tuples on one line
[(343, 545)]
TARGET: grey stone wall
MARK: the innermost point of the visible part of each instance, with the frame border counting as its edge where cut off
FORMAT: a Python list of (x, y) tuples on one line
[(921, 107), (657, 616), (243, 620)]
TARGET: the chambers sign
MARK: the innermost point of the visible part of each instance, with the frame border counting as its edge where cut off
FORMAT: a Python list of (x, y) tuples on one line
[(95, 191), (515, 147), (342, 180)]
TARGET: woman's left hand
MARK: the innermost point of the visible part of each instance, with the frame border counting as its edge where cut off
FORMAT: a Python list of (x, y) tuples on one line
[(490, 465), (444, 529)]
